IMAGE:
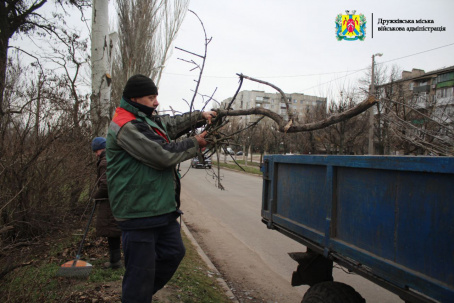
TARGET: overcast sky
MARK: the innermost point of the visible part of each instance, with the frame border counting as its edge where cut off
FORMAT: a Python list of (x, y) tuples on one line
[(292, 44)]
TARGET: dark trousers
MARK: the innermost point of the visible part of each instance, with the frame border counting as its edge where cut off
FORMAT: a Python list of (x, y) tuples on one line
[(114, 242), (151, 258)]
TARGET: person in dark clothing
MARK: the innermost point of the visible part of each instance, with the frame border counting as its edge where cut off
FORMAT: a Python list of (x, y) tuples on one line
[(106, 225), (144, 186)]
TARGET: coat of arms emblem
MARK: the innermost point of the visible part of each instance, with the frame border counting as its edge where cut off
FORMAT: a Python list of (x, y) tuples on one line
[(350, 26)]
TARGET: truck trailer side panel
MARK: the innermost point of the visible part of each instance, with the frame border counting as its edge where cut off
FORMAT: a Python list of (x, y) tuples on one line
[(393, 216)]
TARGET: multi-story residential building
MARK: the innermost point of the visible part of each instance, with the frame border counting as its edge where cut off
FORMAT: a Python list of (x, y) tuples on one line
[(423, 106), (299, 104)]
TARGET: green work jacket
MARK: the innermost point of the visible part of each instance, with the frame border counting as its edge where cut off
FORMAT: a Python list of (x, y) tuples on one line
[(141, 160)]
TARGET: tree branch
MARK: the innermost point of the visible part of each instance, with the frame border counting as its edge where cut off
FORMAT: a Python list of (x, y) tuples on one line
[(358, 109), (283, 96), (21, 19)]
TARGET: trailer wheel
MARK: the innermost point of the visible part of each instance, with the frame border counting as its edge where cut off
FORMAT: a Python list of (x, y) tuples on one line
[(332, 292)]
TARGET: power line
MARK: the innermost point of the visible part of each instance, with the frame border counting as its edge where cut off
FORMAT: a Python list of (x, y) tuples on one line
[(265, 77), (320, 74), (205, 76), (357, 71), (379, 63), (429, 50)]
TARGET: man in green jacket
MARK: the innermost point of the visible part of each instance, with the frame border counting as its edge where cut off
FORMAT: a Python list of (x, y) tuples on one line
[(144, 186)]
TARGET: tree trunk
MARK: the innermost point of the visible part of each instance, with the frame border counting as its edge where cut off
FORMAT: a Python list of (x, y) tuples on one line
[(250, 152), (3, 61), (244, 154), (38, 110), (101, 54), (4, 42)]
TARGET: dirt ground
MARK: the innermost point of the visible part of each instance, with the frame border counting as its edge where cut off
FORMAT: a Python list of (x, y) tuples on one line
[(111, 292)]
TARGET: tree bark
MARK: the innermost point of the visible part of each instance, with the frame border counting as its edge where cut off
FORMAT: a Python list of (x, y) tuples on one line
[(101, 62), (4, 42)]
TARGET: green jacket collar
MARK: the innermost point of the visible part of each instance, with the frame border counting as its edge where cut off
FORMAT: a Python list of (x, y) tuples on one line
[(130, 108), (142, 115)]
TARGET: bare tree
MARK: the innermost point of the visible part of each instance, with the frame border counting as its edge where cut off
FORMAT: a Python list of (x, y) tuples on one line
[(411, 123), (44, 135), (43, 166), (68, 53), (345, 137), (146, 31), (312, 142), (23, 17)]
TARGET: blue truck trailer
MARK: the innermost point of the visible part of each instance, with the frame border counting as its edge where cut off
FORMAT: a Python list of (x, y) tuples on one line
[(389, 219)]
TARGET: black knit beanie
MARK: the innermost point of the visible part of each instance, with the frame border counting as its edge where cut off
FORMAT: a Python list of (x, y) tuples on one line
[(139, 86)]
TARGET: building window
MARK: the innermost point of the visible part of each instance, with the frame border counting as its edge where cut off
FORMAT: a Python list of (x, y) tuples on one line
[(445, 77), (445, 92), (258, 98)]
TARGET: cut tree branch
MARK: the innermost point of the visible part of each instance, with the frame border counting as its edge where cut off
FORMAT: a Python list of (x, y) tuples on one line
[(290, 126)]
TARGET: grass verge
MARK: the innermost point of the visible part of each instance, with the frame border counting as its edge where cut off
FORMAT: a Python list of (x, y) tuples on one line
[(252, 168), (193, 281)]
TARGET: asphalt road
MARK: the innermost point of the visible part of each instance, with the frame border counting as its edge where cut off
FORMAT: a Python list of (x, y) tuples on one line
[(254, 260)]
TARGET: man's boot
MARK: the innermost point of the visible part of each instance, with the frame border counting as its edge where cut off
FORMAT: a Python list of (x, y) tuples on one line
[(115, 259)]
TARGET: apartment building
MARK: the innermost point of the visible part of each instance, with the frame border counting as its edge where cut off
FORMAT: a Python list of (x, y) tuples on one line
[(299, 104), (425, 101)]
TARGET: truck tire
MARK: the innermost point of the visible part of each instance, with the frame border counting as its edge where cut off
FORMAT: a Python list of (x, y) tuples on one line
[(332, 292)]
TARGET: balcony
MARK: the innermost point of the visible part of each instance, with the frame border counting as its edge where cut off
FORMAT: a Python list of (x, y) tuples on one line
[(260, 100), (421, 89)]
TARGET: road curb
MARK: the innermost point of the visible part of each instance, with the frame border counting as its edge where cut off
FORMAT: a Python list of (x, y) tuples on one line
[(208, 262)]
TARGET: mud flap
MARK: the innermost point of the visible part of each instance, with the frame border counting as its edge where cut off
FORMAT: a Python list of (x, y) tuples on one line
[(312, 268)]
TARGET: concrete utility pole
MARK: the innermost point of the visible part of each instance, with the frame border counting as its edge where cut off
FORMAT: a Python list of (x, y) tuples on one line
[(371, 110)]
